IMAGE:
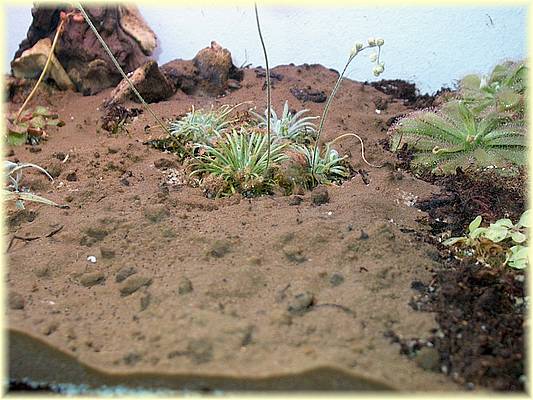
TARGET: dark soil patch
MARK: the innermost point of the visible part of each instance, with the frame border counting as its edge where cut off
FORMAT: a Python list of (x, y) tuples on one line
[(480, 312), (466, 195), (403, 90), (308, 94)]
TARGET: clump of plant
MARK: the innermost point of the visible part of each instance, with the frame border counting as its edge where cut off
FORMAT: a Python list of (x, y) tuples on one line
[(238, 162), (233, 156), (13, 191), (502, 90), (455, 137), (288, 126), (309, 170), (196, 127), (30, 126), (501, 238)]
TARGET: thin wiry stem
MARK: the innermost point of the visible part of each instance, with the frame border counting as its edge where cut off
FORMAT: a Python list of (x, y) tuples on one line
[(362, 147), (328, 103), (269, 100), (45, 69), (119, 68)]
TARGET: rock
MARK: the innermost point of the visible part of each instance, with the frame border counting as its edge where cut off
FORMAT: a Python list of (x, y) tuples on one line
[(294, 253), (81, 55), (55, 168), (123, 273), (31, 62), (156, 214), (91, 278), (184, 286), (301, 302), (72, 177), (107, 253), (428, 358), (134, 24), (134, 283), (17, 89), (182, 74), (16, 301), (149, 82), (214, 67), (145, 301), (295, 200), (320, 196), (164, 163), (233, 84), (336, 279), (220, 248)]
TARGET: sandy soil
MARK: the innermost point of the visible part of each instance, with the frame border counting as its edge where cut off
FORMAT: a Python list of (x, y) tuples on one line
[(229, 287)]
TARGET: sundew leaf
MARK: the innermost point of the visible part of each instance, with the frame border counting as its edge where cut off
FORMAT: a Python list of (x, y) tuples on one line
[(525, 220), (452, 241), (496, 233), (16, 138), (506, 222), (518, 258), (475, 224), (42, 111), (518, 237)]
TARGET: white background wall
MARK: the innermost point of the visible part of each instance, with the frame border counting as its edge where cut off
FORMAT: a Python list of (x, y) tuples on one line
[(431, 46)]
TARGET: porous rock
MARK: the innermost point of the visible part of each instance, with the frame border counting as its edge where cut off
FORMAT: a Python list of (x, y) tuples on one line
[(32, 61), (151, 84), (81, 55)]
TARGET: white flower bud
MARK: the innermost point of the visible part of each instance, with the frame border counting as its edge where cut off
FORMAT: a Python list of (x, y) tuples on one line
[(371, 42), (378, 69), (373, 57), (380, 42), (356, 48)]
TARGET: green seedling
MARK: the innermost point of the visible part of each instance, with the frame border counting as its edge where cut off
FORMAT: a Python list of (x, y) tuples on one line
[(13, 172), (500, 231), (240, 160), (31, 126), (293, 127), (456, 137)]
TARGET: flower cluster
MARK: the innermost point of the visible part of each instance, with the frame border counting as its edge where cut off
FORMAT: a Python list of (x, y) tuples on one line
[(374, 57)]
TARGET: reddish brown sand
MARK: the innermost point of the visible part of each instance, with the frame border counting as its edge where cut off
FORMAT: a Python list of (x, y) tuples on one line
[(247, 259)]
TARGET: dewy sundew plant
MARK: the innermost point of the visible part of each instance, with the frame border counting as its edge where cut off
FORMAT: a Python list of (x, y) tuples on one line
[(483, 126), (456, 137)]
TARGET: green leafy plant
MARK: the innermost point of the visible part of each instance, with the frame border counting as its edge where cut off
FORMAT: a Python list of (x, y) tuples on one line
[(196, 127), (480, 238), (293, 127), (200, 126), (326, 167), (503, 89), (456, 137), (31, 126), (13, 172), (239, 162)]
